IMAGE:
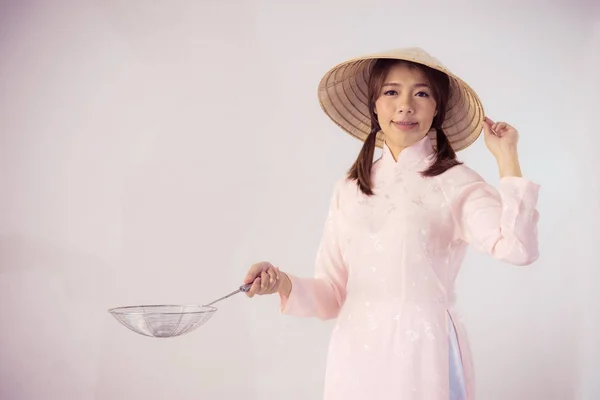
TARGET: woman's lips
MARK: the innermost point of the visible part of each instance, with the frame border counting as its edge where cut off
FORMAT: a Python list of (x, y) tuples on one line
[(405, 125)]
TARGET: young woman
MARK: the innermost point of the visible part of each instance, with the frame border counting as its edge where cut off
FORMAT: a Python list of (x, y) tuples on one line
[(398, 229)]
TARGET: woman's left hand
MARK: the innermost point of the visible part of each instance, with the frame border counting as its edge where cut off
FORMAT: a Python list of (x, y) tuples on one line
[(500, 138)]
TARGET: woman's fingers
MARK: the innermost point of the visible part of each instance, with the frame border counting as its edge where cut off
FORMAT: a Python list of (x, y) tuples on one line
[(264, 282), (255, 288), (264, 278), (272, 273)]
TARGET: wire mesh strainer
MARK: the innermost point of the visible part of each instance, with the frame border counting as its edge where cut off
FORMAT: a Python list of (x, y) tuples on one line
[(163, 321)]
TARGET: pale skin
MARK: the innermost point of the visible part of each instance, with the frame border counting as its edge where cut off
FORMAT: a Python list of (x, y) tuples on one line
[(405, 110)]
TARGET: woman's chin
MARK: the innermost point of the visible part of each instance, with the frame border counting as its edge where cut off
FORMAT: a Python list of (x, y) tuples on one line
[(404, 139)]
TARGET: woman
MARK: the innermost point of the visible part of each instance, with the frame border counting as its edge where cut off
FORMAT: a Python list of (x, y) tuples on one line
[(398, 229)]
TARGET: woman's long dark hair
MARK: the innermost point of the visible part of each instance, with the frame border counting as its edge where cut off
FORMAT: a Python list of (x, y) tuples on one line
[(445, 157)]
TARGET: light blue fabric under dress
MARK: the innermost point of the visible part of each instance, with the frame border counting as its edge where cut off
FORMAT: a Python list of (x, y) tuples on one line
[(457, 377)]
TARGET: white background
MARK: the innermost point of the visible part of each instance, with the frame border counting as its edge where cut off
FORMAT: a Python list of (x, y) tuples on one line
[(152, 150)]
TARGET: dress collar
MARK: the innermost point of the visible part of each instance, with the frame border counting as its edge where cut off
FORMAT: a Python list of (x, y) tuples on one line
[(410, 155)]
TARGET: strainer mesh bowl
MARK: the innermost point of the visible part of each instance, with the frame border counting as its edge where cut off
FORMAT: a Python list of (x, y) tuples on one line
[(163, 320)]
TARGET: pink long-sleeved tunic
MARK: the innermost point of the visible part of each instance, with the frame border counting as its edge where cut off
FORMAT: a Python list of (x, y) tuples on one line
[(386, 269)]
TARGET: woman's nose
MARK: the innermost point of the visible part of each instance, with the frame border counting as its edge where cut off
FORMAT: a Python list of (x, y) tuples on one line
[(404, 104), (404, 107)]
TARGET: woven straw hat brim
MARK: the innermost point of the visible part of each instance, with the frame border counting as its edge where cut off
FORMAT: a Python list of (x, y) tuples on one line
[(343, 97)]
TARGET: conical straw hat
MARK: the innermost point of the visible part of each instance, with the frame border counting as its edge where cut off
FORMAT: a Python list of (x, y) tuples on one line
[(343, 95)]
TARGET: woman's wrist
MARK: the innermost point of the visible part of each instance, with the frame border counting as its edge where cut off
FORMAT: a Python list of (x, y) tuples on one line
[(508, 164), (285, 286)]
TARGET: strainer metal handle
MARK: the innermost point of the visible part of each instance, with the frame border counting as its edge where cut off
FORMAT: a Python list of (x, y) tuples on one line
[(243, 288)]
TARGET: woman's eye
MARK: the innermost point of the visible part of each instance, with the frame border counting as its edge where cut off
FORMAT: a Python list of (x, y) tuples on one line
[(422, 94), (390, 93)]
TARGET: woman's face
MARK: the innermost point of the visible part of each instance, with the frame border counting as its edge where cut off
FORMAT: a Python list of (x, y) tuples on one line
[(405, 107)]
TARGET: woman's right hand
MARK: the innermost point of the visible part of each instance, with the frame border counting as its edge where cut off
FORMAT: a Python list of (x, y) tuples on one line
[(265, 279)]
